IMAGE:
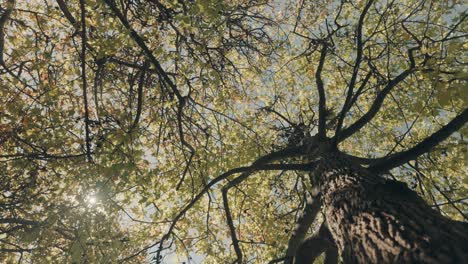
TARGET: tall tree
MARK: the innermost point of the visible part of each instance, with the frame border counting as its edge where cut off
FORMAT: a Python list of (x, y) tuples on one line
[(233, 131)]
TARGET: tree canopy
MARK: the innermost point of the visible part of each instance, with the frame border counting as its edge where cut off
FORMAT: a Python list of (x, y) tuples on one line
[(180, 131)]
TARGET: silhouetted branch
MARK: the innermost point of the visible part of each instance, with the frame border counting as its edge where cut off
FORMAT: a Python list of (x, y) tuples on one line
[(357, 64), (66, 12), (315, 245), (452, 203), (235, 241), (397, 159), (3, 19), (83, 78), (331, 256), (303, 225), (377, 104), (141, 43), (141, 84), (41, 156), (258, 165), (321, 92), (232, 229)]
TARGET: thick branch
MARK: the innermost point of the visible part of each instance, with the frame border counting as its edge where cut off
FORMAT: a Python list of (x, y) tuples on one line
[(331, 256), (321, 92), (352, 83), (139, 40), (374, 109), (314, 246), (418, 171), (141, 84), (83, 78), (232, 229), (3, 19), (304, 223), (259, 164), (66, 12), (424, 146)]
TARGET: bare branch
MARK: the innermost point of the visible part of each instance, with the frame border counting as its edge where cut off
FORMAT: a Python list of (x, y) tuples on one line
[(232, 229), (139, 40), (321, 91), (66, 12), (331, 256), (377, 104), (352, 83), (3, 19), (452, 203), (314, 246), (141, 83), (397, 159), (303, 225), (258, 165), (83, 78)]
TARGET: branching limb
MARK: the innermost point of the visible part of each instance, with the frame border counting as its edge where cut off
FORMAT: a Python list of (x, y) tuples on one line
[(68, 15), (452, 203), (3, 19), (258, 165), (182, 100), (359, 91), (232, 229), (321, 92), (141, 43), (397, 159), (310, 250), (331, 256), (377, 104), (314, 246), (66, 12), (83, 78), (235, 241), (357, 64), (141, 84), (304, 223)]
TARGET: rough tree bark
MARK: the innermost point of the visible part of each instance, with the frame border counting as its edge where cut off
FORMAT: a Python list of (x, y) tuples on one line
[(376, 220)]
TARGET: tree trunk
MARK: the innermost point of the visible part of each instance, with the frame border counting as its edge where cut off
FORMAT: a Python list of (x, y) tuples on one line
[(375, 220)]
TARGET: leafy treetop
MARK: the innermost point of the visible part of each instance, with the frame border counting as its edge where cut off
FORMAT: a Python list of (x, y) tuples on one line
[(122, 121)]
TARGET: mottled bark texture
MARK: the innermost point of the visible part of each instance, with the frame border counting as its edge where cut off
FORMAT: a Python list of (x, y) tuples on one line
[(375, 220)]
